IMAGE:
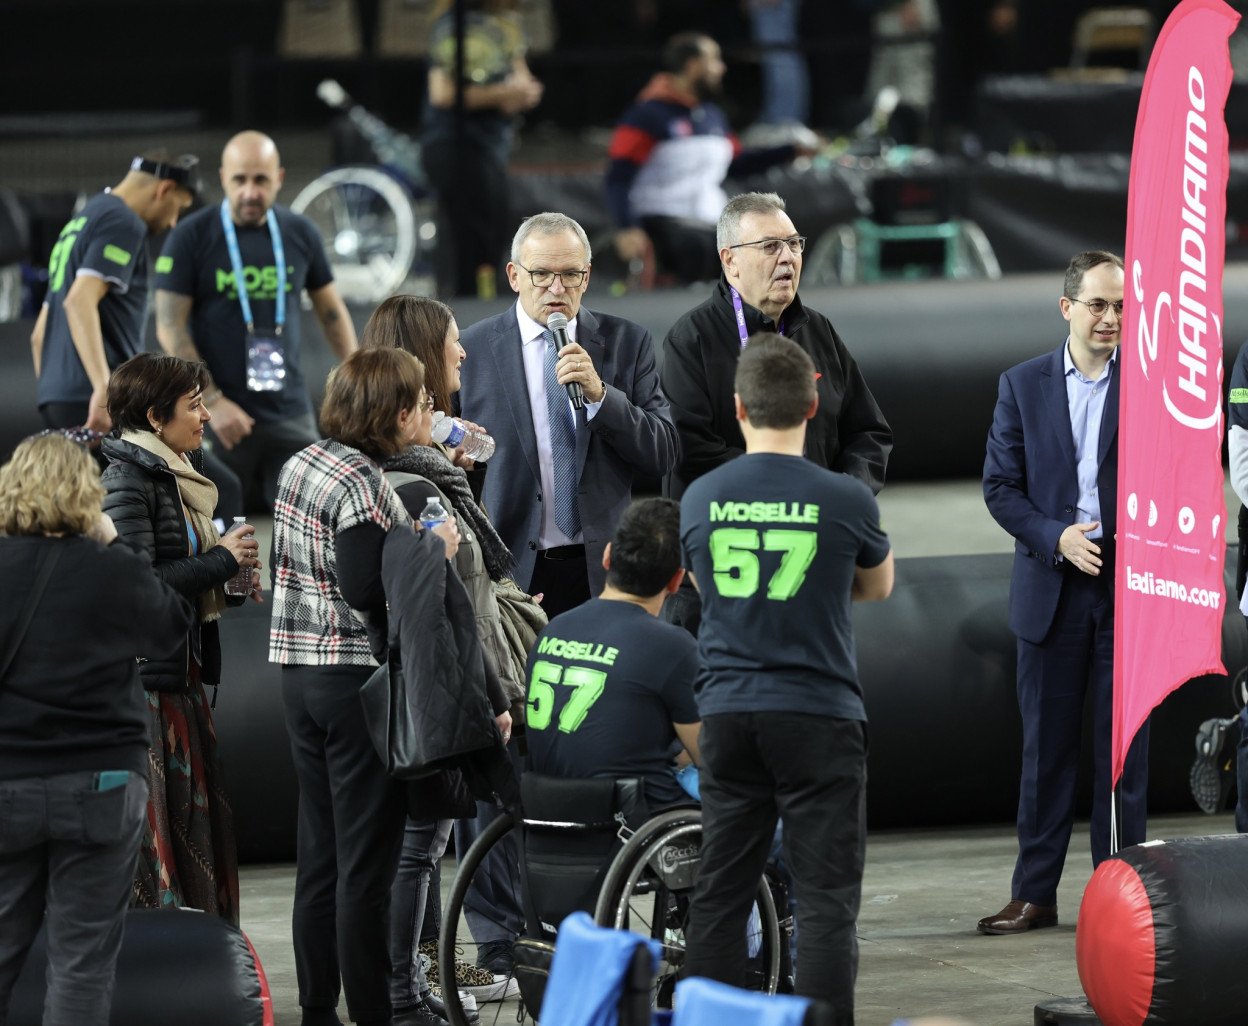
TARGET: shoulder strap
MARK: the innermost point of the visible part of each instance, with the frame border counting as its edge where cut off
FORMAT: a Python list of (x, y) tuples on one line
[(399, 478), (28, 614)]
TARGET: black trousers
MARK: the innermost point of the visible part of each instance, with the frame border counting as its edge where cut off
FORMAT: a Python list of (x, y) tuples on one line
[(351, 816), (473, 203), (256, 460), (811, 773), (684, 247), (561, 577)]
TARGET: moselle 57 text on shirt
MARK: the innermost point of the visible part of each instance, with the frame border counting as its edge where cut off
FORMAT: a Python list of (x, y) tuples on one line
[(606, 682), (107, 240), (773, 541), (195, 262)]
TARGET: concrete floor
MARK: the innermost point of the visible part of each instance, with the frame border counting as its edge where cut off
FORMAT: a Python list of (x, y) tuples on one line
[(922, 894)]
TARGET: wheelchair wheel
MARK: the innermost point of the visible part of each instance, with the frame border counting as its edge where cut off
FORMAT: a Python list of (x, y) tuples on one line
[(648, 890), (456, 940), (369, 228)]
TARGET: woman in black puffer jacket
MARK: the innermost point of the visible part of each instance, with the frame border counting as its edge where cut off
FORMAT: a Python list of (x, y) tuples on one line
[(162, 505)]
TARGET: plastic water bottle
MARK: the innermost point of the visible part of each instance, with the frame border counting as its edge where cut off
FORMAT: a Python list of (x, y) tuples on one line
[(433, 514), (242, 582), (454, 433)]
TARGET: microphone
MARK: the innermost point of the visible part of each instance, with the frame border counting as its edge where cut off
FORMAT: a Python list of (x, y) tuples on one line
[(557, 323)]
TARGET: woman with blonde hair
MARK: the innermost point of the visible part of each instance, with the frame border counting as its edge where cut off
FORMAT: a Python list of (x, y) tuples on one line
[(79, 609), (162, 505)]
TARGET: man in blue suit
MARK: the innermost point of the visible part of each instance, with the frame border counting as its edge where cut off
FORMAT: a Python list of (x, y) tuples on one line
[(1051, 480), (561, 477)]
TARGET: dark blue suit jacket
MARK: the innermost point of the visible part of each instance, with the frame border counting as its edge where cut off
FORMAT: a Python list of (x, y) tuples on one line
[(632, 433), (1031, 488)]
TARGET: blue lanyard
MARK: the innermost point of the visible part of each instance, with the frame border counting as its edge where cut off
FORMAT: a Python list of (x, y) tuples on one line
[(740, 312), (240, 280)]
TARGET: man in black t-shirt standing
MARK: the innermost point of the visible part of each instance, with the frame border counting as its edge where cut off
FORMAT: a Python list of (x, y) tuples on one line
[(778, 548), (611, 685), (249, 336), (92, 319)]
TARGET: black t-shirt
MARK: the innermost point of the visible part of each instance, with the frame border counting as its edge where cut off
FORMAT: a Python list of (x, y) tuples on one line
[(107, 240), (773, 542), (196, 262), (606, 682)]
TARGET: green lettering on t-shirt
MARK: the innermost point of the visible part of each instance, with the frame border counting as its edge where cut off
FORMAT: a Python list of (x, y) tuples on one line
[(117, 255), (588, 686), (261, 282), (59, 256), (765, 512), (735, 567), (164, 264), (1239, 395)]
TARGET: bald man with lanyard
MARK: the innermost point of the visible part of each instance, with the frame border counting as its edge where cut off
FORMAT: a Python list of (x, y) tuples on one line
[(249, 336)]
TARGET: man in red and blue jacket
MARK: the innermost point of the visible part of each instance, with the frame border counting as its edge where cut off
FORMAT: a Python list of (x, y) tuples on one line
[(670, 154)]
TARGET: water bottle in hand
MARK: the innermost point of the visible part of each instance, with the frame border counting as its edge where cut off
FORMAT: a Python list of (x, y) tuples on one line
[(242, 583), (433, 514), (454, 433)]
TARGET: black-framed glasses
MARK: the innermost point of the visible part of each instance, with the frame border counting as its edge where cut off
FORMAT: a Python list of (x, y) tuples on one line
[(542, 279), (1097, 307), (771, 247)]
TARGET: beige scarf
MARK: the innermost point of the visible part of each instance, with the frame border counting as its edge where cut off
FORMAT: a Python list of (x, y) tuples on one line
[(199, 496)]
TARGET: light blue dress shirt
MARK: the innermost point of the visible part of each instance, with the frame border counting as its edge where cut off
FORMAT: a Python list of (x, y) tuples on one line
[(1086, 400)]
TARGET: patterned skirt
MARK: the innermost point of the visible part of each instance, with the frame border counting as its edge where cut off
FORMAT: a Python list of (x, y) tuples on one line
[(188, 857)]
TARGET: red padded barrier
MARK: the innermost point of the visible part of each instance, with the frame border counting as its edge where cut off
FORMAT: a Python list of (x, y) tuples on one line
[(1115, 945)]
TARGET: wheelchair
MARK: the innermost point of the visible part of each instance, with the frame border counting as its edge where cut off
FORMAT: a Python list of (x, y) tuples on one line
[(590, 845)]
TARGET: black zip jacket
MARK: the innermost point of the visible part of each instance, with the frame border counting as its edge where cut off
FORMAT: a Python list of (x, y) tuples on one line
[(146, 508), (848, 432)]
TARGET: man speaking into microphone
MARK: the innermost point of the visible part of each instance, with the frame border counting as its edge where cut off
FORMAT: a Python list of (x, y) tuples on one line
[(573, 402)]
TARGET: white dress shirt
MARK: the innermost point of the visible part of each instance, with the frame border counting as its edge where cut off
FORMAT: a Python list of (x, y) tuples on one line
[(550, 536)]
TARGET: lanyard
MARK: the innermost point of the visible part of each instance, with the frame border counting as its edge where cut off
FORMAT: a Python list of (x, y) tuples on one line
[(740, 312), (240, 280)]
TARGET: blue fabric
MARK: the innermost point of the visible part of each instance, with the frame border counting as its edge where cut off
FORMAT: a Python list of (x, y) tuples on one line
[(562, 444), (702, 1002), (588, 971)]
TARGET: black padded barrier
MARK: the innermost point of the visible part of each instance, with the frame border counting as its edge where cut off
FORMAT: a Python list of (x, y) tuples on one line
[(175, 966), (937, 663), (931, 351)]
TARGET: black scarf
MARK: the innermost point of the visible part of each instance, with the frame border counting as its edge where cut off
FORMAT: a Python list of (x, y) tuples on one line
[(432, 463)]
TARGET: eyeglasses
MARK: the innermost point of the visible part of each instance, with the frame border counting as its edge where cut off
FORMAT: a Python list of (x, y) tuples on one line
[(1097, 307), (544, 279), (771, 247), (426, 404)]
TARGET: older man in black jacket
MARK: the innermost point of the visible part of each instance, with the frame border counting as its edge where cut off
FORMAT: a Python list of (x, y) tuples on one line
[(761, 256)]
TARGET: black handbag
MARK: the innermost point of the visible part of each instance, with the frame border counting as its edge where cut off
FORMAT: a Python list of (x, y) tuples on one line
[(391, 726)]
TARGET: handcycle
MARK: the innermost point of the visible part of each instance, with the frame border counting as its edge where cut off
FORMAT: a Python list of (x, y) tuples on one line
[(579, 849), (377, 220)]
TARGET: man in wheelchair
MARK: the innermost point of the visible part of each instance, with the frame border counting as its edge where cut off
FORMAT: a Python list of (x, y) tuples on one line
[(610, 698)]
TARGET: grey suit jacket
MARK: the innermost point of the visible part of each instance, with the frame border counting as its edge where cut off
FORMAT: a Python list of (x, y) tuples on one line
[(632, 433)]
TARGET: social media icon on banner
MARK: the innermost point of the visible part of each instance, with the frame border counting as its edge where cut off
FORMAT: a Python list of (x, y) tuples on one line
[(1152, 513), (1217, 522), (1187, 520), (1133, 505)]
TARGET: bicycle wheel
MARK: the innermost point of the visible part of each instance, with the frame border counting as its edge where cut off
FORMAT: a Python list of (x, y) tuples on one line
[(456, 940), (648, 890), (365, 218)]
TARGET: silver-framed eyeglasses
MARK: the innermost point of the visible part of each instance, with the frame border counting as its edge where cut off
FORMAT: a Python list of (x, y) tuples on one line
[(427, 403), (1097, 307), (771, 247), (543, 279)]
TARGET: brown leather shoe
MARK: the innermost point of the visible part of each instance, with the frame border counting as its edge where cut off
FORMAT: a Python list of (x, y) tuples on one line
[(1019, 917)]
